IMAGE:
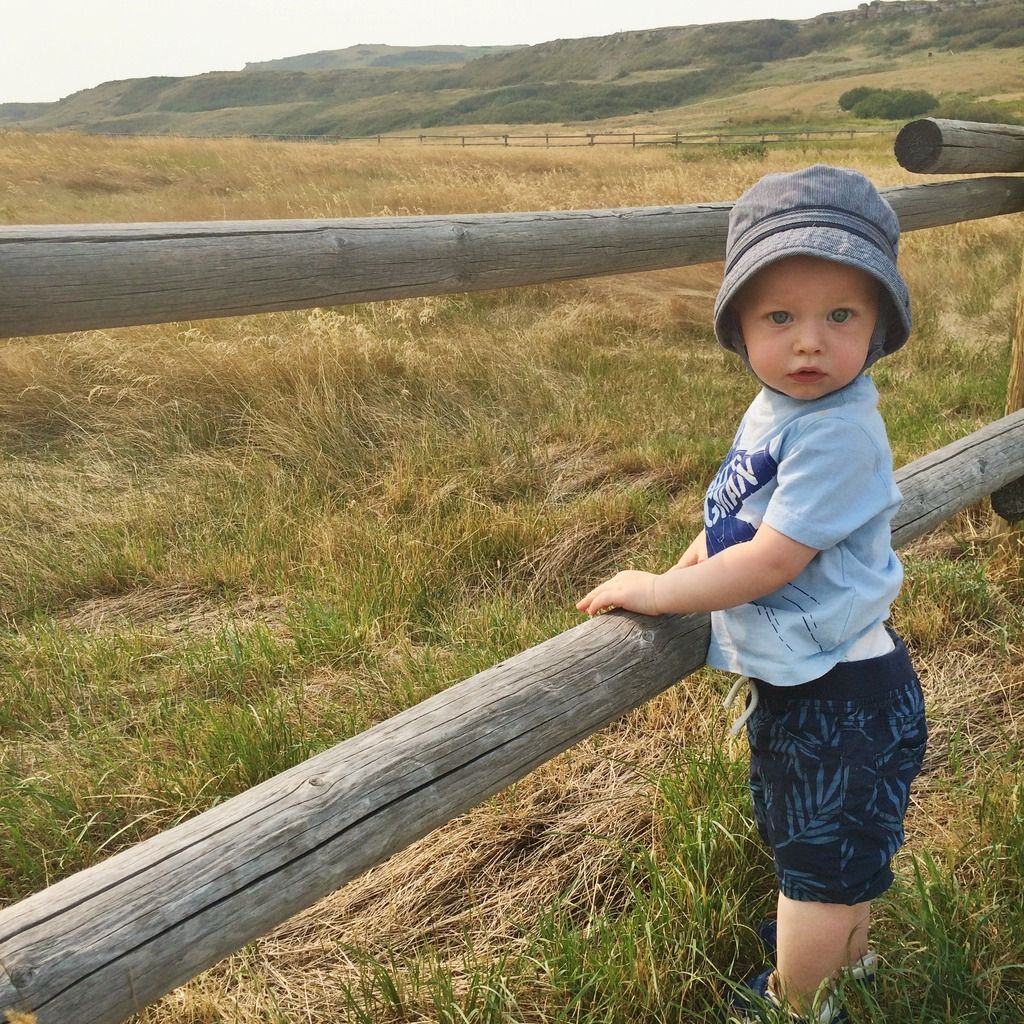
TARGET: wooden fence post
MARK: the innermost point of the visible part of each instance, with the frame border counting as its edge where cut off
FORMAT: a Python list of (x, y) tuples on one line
[(1015, 385)]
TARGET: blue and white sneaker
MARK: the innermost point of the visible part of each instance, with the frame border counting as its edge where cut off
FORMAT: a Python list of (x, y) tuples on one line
[(758, 1004), (768, 933)]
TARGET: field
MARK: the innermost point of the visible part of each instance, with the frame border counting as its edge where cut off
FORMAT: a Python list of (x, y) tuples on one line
[(229, 544)]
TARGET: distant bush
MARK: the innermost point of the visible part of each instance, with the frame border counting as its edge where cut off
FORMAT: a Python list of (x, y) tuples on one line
[(745, 151), (966, 108), (893, 104), (852, 97), (897, 37)]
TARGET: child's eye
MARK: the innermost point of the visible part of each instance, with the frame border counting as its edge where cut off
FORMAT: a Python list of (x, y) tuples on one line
[(840, 316), (779, 316)]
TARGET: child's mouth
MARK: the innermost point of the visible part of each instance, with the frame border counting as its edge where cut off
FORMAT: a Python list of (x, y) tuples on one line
[(807, 376)]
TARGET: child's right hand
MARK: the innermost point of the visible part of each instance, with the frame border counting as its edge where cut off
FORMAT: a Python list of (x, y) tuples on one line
[(629, 589)]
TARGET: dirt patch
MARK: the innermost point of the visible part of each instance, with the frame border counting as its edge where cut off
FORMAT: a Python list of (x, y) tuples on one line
[(663, 298), (177, 608)]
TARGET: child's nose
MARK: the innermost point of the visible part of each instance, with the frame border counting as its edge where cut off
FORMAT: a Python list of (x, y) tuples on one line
[(808, 339)]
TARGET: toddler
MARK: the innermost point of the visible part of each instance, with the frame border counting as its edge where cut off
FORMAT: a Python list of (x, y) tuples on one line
[(795, 563)]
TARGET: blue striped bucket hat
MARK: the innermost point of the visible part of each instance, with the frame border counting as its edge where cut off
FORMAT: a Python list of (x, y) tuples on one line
[(830, 212)]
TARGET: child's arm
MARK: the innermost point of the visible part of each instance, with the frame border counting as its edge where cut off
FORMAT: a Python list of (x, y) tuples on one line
[(696, 552), (737, 575)]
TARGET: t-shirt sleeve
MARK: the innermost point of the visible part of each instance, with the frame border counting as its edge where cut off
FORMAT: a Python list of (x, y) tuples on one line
[(833, 477)]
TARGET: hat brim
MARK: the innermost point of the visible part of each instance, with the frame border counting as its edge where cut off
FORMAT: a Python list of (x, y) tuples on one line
[(826, 243)]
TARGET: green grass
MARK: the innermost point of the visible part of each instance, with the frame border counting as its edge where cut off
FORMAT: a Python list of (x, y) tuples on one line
[(230, 545), (677, 936)]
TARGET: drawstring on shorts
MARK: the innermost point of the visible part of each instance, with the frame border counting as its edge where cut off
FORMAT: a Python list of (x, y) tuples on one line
[(751, 705)]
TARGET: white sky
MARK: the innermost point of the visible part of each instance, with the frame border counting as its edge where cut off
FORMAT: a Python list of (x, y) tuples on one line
[(50, 48)]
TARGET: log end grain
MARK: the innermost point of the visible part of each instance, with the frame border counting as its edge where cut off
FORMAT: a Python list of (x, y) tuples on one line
[(919, 145), (1008, 501)]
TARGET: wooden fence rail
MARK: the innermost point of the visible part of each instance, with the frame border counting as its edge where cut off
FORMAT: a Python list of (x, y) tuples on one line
[(545, 140), (101, 944), (938, 146), (77, 277)]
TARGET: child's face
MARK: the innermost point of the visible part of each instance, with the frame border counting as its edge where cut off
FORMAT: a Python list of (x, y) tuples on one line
[(807, 324)]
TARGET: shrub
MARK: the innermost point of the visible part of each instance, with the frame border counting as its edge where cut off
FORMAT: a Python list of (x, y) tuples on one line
[(745, 151), (966, 108), (852, 97), (895, 103)]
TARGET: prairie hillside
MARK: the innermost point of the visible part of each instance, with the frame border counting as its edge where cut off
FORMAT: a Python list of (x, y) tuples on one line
[(740, 74), (229, 544), (377, 55)]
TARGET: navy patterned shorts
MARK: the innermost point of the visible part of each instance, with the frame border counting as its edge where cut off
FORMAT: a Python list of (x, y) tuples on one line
[(831, 762)]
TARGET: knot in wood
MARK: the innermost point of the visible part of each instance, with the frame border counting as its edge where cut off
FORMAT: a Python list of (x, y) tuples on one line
[(22, 976), (317, 780)]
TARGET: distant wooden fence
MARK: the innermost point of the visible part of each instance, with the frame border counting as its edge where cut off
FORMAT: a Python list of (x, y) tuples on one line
[(552, 140), (101, 944)]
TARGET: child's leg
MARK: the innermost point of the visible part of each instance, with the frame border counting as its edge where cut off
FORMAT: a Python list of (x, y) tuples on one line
[(815, 941)]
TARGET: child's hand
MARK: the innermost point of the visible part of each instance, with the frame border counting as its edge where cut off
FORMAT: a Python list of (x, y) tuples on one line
[(630, 589)]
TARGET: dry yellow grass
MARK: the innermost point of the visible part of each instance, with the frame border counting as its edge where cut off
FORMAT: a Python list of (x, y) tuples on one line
[(65, 178), (275, 387)]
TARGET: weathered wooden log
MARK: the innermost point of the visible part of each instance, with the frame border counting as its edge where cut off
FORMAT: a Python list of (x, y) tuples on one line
[(77, 277), (937, 486), (934, 145), (107, 941), (103, 943)]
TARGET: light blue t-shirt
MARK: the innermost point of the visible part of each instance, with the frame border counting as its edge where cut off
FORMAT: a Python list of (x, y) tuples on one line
[(819, 472)]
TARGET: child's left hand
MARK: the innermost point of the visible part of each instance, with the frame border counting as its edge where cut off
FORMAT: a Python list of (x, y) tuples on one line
[(629, 589)]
